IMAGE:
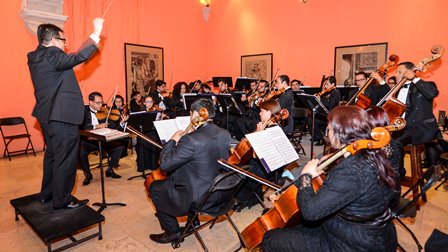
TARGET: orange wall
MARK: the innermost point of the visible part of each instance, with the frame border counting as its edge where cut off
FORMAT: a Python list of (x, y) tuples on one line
[(301, 36)]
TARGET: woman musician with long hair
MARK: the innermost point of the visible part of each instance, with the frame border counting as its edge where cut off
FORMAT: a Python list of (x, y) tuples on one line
[(350, 211)]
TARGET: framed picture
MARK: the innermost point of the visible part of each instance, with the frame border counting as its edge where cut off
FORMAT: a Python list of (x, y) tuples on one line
[(144, 65), (348, 60), (256, 66)]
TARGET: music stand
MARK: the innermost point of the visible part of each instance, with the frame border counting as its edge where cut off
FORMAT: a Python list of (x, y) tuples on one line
[(314, 104), (228, 103), (144, 121), (100, 139), (243, 83), (227, 80), (189, 98)]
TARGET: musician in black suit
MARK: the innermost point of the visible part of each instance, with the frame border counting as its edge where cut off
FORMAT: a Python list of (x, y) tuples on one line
[(286, 101), (330, 99), (114, 148), (59, 109), (375, 91), (421, 124), (191, 162)]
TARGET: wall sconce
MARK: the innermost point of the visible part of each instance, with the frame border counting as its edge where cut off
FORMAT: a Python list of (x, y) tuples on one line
[(205, 9)]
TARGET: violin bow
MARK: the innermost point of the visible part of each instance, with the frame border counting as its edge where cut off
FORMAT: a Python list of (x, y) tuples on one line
[(110, 108)]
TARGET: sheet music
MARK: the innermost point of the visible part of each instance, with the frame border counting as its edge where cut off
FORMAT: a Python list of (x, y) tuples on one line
[(110, 134), (167, 128), (283, 145), (273, 148), (182, 122)]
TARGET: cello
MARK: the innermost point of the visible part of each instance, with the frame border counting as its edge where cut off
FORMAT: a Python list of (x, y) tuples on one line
[(395, 108), (361, 100), (158, 174), (285, 211), (243, 152)]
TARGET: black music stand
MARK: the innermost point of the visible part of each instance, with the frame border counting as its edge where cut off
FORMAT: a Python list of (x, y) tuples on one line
[(243, 83), (144, 121), (100, 139), (314, 104), (228, 103)]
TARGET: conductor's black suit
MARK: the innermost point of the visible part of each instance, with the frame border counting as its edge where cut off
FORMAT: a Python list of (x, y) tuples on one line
[(60, 110)]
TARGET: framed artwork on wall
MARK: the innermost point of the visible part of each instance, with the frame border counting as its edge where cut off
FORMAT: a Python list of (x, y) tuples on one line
[(144, 65), (256, 66), (348, 60)]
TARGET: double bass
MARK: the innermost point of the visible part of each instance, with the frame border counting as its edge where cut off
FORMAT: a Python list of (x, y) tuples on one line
[(285, 212), (361, 100), (395, 108)]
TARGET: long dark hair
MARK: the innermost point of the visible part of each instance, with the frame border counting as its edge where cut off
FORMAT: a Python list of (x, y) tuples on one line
[(178, 87), (352, 123)]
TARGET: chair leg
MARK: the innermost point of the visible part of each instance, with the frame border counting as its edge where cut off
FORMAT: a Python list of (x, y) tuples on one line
[(237, 231), (419, 246), (32, 147)]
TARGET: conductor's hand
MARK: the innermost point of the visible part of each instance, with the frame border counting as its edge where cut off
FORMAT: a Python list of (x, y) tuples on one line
[(311, 168), (176, 137), (97, 26)]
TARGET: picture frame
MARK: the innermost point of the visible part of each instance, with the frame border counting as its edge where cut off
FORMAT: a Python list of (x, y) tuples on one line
[(348, 60), (143, 66), (257, 65)]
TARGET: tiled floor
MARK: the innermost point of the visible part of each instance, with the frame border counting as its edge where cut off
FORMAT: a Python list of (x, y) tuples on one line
[(127, 228)]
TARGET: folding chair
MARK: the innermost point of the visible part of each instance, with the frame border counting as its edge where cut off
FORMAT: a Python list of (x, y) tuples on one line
[(406, 207), (7, 139), (218, 201)]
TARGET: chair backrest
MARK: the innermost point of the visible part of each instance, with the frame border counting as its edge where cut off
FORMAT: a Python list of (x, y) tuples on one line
[(220, 197), (299, 113), (9, 121)]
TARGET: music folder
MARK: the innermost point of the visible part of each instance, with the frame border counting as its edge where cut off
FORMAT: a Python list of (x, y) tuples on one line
[(273, 148), (166, 128)]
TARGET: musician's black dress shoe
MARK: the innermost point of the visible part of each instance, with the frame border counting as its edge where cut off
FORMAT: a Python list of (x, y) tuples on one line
[(87, 180), (165, 237), (74, 204), (112, 174)]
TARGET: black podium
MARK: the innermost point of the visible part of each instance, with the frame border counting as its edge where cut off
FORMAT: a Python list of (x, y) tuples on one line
[(103, 138), (312, 103), (53, 225)]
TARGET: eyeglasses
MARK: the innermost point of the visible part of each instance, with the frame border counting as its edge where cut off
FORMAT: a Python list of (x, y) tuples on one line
[(62, 39), (149, 102), (98, 102), (358, 80)]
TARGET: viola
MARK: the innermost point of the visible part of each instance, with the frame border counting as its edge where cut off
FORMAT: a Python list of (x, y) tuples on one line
[(286, 212), (393, 107), (243, 152), (362, 100)]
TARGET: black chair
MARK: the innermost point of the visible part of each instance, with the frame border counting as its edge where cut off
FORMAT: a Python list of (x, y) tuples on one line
[(407, 208), (444, 166), (218, 201), (299, 115), (15, 122)]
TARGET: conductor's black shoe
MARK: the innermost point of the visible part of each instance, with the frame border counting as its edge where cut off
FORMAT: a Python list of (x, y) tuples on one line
[(74, 204), (112, 174), (87, 180), (165, 237)]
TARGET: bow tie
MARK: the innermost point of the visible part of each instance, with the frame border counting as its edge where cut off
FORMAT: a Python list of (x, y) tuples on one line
[(406, 85), (92, 111)]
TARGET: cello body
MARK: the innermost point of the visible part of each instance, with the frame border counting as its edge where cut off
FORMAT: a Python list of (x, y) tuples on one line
[(157, 174), (284, 213)]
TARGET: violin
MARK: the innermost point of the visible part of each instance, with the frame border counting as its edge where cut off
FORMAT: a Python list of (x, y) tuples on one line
[(158, 174), (154, 108), (243, 152), (393, 107), (325, 91), (362, 100), (167, 94), (101, 114), (274, 94), (285, 212)]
